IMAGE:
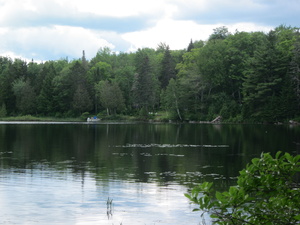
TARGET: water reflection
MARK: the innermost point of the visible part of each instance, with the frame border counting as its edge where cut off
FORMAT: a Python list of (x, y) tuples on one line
[(65, 173), (35, 197)]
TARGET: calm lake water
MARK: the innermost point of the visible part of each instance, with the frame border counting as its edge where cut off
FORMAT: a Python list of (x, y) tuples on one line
[(123, 173)]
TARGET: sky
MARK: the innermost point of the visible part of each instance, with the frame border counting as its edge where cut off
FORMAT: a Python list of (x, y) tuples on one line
[(45, 30)]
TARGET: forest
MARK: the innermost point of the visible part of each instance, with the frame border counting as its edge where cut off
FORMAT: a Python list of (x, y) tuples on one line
[(243, 77)]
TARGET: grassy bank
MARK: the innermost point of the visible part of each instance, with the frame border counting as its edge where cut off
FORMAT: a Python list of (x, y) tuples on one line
[(36, 118), (160, 116)]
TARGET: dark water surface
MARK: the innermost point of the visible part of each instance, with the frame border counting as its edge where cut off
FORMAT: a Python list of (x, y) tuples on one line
[(123, 173)]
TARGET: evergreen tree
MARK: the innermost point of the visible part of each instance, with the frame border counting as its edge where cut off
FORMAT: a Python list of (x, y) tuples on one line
[(84, 61), (19, 69), (143, 88), (190, 46), (167, 69), (294, 69), (264, 79), (46, 104), (6, 94), (75, 76), (33, 72), (81, 100)]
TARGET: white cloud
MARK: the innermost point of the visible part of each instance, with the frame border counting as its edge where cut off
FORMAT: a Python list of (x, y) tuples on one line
[(247, 27), (117, 8), (177, 34), (54, 42), (51, 29)]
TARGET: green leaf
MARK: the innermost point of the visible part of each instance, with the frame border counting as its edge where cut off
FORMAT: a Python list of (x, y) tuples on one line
[(233, 190), (214, 216), (278, 154), (255, 161), (297, 217), (220, 196), (288, 157), (297, 158), (188, 196)]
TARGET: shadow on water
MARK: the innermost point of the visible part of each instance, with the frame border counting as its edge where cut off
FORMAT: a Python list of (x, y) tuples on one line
[(143, 152)]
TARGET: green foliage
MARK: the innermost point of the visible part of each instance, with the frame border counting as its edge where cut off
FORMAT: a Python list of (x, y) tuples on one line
[(85, 115), (294, 70), (25, 96), (3, 112), (251, 76), (191, 46), (81, 100), (100, 71), (167, 69), (143, 113), (45, 104), (170, 99), (110, 96), (264, 77), (124, 76), (219, 33), (267, 192), (143, 87)]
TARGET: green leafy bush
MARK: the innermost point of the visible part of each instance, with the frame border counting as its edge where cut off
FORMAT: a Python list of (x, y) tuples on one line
[(267, 192)]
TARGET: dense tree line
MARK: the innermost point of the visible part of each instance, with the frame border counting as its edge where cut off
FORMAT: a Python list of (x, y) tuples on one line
[(251, 76)]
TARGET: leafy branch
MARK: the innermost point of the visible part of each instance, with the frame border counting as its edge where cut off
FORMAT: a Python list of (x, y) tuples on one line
[(267, 192)]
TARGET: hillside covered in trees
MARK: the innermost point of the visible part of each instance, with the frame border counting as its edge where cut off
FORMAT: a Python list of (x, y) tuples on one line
[(242, 77)]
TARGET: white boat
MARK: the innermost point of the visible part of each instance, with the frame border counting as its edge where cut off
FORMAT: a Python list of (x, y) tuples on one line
[(93, 119)]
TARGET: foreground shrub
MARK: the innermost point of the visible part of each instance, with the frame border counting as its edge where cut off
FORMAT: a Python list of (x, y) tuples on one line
[(267, 192)]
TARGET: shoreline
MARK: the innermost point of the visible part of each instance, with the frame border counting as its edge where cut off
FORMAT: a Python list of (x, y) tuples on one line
[(124, 119)]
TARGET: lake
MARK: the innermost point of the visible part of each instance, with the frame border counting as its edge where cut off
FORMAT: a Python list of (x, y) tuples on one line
[(123, 173)]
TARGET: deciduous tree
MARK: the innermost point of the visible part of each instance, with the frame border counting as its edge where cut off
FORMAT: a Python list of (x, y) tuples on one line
[(110, 96), (25, 96)]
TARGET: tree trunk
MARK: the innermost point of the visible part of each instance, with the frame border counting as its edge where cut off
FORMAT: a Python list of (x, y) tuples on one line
[(177, 109)]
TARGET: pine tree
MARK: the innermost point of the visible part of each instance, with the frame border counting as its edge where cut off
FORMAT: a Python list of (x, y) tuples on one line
[(167, 69), (264, 79), (294, 70), (46, 104), (191, 46), (143, 85), (84, 61), (81, 100)]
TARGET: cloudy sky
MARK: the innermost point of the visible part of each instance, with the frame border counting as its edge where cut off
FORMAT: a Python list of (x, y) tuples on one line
[(54, 29)]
